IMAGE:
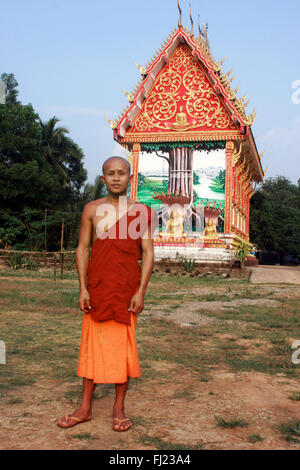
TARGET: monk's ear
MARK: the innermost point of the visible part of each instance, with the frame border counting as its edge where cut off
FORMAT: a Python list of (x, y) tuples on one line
[(102, 179)]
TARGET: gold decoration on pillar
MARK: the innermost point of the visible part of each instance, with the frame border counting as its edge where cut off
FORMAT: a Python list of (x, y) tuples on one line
[(236, 154), (129, 156)]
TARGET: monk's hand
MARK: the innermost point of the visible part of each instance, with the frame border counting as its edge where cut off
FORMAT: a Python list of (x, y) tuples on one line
[(84, 301), (137, 303)]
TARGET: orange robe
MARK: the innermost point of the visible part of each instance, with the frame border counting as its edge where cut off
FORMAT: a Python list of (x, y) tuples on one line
[(108, 349)]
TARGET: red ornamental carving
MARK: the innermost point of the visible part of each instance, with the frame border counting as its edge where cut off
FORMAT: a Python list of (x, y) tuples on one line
[(182, 100)]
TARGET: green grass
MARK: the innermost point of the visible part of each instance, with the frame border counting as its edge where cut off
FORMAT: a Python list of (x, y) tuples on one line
[(232, 423), (15, 401), (84, 436), (255, 438), (290, 431), (295, 396), (41, 323)]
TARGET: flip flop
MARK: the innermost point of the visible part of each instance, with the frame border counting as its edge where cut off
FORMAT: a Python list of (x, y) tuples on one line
[(119, 421), (74, 418)]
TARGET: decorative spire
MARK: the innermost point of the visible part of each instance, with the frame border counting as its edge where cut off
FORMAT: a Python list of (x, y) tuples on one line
[(192, 23), (180, 16), (111, 123), (199, 28), (128, 95), (142, 70), (219, 64), (262, 154)]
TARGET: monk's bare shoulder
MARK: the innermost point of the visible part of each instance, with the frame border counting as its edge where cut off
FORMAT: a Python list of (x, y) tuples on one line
[(91, 207)]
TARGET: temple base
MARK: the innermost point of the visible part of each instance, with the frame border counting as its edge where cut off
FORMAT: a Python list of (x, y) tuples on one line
[(200, 249)]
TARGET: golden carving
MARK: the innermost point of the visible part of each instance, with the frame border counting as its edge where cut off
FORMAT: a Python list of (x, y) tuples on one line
[(183, 80), (181, 123)]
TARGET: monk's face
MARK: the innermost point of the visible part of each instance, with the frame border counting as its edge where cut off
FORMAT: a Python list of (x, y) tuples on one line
[(116, 176)]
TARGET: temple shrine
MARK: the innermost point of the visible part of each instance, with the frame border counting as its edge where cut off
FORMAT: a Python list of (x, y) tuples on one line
[(193, 155)]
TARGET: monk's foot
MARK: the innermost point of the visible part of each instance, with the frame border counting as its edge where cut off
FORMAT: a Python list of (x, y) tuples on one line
[(120, 420), (70, 420)]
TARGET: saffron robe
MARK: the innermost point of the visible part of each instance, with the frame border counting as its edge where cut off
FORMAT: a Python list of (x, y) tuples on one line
[(113, 271), (108, 350)]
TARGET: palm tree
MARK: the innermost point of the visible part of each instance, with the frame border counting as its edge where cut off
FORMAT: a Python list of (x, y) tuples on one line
[(57, 147)]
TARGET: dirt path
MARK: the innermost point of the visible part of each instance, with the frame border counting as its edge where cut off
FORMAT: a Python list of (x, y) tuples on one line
[(275, 274)]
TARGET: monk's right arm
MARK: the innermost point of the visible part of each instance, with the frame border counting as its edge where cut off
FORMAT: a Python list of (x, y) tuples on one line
[(83, 255)]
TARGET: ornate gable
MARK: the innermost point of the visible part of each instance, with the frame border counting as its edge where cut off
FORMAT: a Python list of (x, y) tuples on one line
[(182, 99)]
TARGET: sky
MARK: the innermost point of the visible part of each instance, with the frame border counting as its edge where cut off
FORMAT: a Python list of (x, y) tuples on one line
[(72, 58)]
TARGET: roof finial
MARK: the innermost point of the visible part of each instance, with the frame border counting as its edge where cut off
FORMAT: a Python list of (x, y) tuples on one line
[(180, 15), (199, 27), (192, 23)]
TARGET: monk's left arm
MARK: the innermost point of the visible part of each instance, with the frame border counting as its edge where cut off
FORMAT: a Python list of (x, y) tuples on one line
[(137, 301)]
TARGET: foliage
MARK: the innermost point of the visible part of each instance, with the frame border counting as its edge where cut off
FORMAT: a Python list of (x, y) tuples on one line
[(201, 145), (218, 184), (196, 179), (231, 423), (241, 253), (275, 216), (43, 169), (141, 180), (15, 260), (11, 88), (188, 264)]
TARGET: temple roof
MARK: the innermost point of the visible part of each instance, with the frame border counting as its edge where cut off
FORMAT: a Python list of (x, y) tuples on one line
[(236, 123), (201, 51)]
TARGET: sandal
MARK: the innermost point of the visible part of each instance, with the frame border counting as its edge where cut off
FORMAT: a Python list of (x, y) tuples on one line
[(118, 421), (70, 425)]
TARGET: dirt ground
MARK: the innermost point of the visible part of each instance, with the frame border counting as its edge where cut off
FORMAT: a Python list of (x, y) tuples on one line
[(169, 406), (260, 400)]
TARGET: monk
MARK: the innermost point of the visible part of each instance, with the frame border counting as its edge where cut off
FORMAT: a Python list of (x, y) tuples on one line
[(112, 289)]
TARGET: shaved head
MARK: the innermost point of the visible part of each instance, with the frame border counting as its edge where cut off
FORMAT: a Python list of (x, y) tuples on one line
[(110, 159)]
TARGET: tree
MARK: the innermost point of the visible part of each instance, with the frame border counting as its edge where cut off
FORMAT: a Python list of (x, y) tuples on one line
[(42, 168), (11, 88), (275, 217)]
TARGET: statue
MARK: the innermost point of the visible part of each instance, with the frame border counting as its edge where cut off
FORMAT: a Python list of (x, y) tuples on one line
[(210, 230), (181, 123), (176, 225)]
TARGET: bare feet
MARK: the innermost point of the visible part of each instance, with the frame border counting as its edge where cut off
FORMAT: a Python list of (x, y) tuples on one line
[(120, 421), (79, 416)]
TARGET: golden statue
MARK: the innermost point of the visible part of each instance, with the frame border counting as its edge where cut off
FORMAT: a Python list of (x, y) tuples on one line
[(176, 225), (210, 230), (181, 123)]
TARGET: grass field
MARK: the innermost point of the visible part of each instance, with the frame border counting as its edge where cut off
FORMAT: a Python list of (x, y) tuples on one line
[(215, 355)]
